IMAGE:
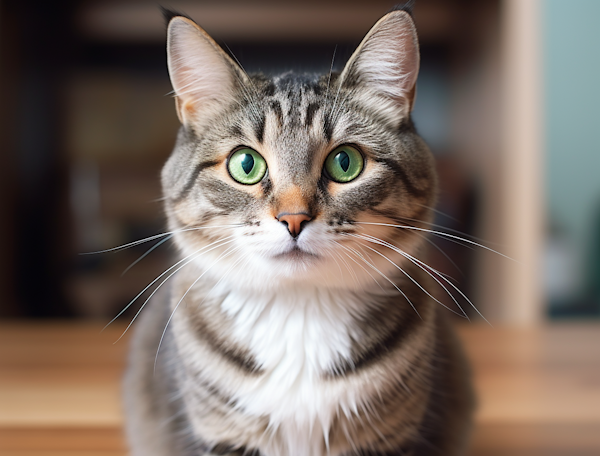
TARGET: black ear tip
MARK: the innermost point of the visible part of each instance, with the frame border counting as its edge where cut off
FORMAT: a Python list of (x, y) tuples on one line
[(169, 14), (407, 6)]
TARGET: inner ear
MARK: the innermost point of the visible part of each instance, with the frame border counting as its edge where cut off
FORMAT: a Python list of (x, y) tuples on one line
[(386, 64), (203, 76)]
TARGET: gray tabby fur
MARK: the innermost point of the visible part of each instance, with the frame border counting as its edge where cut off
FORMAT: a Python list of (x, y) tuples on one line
[(325, 343)]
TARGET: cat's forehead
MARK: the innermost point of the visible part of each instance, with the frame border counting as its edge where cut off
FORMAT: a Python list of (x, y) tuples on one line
[(295, 99), (289, 128), (295, 83)]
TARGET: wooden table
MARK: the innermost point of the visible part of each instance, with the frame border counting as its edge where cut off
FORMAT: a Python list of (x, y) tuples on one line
[(539, 389)]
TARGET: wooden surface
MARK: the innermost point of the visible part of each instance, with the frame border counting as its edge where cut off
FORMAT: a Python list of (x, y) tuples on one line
[(539, 390)]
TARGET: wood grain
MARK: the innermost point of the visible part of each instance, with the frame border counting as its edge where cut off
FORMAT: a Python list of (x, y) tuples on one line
[(539, 389)]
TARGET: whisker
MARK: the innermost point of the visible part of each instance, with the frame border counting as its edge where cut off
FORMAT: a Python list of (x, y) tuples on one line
[(409, 257), (438, 233), (128, 245), (187, 258), (443, 227), (162, 283), (435, 271), (239, 63), (227, 252), (330, 72), (359, 256), (157, 236), (332, 112), (464, 315), (243, 86), (333, 254), (439, 249), (442, 276), (148, 286), (453, 241), (158, 244), (393, 284), (437, 211), (366, 255), (350, 270)]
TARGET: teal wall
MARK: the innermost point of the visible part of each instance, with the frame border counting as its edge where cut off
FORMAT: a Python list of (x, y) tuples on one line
[(572, 105)]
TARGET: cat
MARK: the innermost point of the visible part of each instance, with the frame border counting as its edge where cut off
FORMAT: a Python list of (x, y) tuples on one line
[(300, 319)]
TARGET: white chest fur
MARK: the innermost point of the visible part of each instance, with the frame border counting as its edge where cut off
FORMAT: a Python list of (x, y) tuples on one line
[(295, 336)]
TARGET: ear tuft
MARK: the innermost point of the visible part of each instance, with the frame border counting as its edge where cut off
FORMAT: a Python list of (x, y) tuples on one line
[(169, 14), (407, 7)]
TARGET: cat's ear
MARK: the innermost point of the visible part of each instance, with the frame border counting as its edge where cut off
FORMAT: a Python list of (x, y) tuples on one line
[(386, 65), (204, 78)]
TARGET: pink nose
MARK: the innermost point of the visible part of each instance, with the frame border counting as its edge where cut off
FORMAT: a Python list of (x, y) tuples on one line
[(294, 222)]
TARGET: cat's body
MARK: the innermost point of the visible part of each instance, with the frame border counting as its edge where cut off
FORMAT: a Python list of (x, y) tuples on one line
[(301, 321)]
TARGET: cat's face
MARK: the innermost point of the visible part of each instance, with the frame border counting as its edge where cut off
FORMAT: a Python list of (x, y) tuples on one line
[(286, 178)]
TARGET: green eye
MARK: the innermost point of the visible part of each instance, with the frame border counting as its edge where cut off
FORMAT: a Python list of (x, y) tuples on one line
[(247, 166), (344, 164)]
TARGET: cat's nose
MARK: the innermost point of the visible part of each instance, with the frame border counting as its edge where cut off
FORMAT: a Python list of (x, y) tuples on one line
[(294, 222)]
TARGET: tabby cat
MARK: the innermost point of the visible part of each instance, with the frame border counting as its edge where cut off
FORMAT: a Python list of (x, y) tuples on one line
[(300, 319)]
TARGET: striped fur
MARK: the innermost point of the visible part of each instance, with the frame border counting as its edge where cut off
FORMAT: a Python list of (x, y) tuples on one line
[(328, 343)]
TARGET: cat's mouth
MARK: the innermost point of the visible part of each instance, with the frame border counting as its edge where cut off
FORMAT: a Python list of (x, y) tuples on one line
[(296, 253)]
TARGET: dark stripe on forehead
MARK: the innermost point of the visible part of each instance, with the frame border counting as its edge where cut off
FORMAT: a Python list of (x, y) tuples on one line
[(312, 109), (276, 108), (259, 127), (235, 130), (317, 89), (269, 89), (327, 127), (294, 101), (192, 179)]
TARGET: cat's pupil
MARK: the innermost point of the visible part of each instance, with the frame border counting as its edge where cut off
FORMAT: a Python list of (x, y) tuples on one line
[(247, 163), (344, 161)]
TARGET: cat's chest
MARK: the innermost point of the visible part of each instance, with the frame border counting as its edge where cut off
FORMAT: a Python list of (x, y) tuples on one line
[(296, 338)]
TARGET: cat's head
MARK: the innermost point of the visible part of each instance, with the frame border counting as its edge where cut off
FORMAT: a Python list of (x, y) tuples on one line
[(296, 178)]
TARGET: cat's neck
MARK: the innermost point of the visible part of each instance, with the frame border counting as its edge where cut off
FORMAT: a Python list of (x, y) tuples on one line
[(311, 325)]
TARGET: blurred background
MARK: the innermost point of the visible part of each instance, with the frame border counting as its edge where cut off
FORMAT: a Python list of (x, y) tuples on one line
[(508, 108), (507, 100)]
